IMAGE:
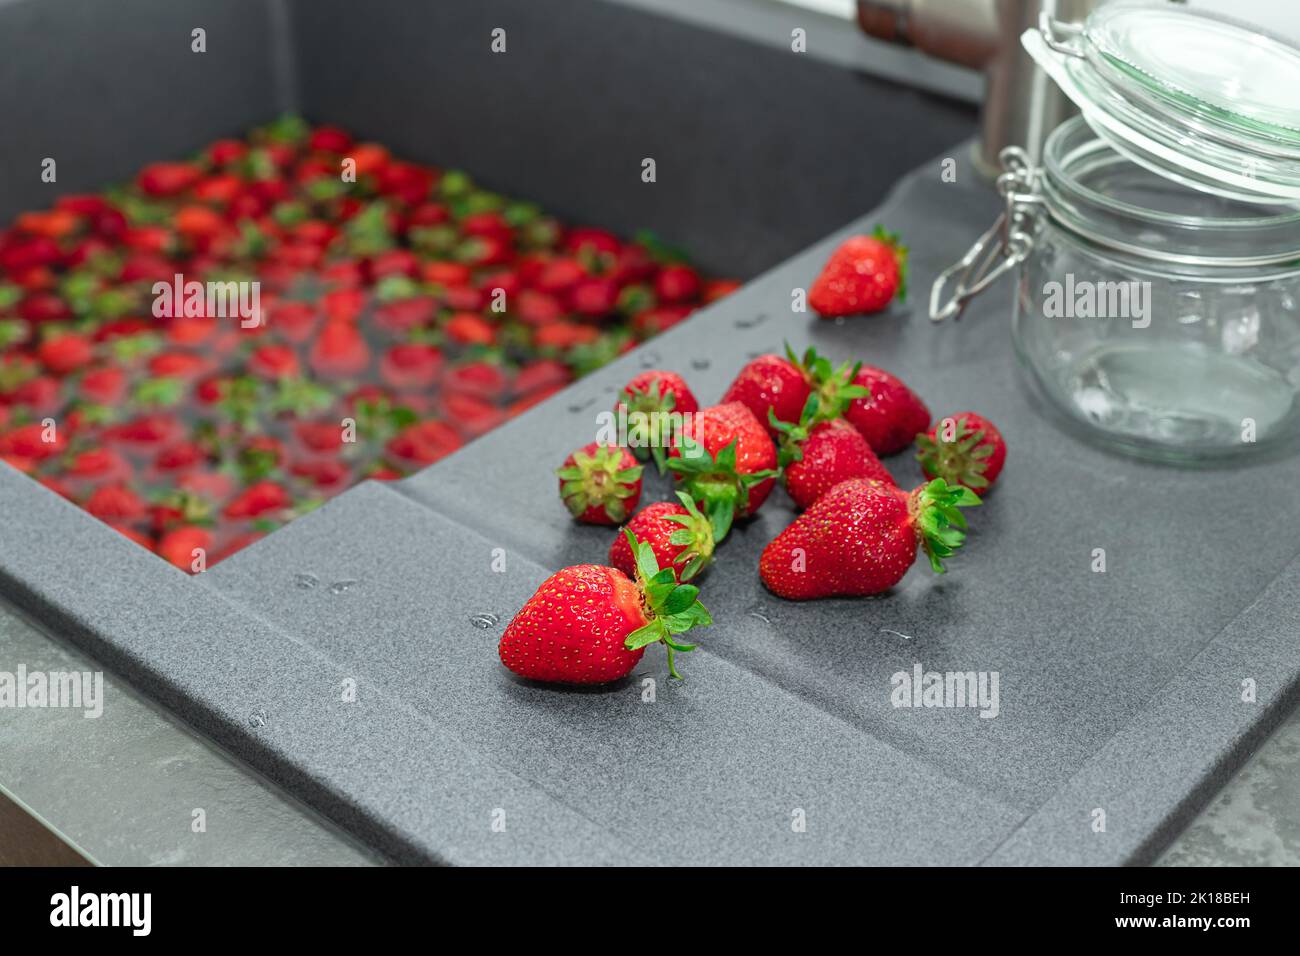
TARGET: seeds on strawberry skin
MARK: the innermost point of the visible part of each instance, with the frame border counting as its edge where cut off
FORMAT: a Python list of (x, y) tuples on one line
[(590, 624), (861, 537), (864, 274), (890, 416), (681, 537), (600, 484)]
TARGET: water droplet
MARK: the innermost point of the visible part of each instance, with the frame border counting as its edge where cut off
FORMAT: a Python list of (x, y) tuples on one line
[(581, 405), (700, 363), (338, 587), (761, 613), (650, 359), (258, 718), (751, 322), (306, 581), (886, 630), (484, 621)]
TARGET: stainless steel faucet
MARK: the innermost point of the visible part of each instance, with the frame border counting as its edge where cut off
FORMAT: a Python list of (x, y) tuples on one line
[(1021, 105)]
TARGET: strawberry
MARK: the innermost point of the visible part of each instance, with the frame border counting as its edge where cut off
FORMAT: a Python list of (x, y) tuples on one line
[(339, 351), (102, 464), (782, 385), (65, 353), (600, 484), (114, 503), (591, 624), (594, 296), (410, 366), (891, 416), (677, 283), (178, 545), (468, 328), (863, 274), (167, 179), (818, 453), (651, 322), (274, 361), (329, 139), (258, 499), (963, 449), (423, 443), (862, 536), (680, 536), (727, 464), (654, 394)]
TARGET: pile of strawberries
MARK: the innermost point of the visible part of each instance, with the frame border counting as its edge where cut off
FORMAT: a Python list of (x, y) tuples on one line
[(819, 429), (405, 300)]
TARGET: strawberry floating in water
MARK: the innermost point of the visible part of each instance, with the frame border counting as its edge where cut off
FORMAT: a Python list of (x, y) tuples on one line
[(591, 624)]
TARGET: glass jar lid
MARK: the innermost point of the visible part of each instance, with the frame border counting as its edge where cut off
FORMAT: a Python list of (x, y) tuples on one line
[(1197, 97)]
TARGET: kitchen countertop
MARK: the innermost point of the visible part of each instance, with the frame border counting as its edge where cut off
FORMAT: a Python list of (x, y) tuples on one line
[(123, 792)]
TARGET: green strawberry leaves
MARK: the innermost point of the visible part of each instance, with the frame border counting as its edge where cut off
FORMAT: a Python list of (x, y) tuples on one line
[(834, 387), (895, 243), (715, 482), (670, 608), (960, 461), (939, 521), (649, 422), (695, 537), (598, 479)]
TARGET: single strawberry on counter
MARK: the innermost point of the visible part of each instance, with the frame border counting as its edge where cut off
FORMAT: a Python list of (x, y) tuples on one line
[(890, 416), (819, 453), (963, 449), (591, 624), (680, 536), (726, 463), (600, 484), (862, 536), (864, 274), (654, 394), (783, 383)]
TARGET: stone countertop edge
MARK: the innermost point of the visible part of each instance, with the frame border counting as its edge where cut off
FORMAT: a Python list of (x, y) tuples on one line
[(126, 607)]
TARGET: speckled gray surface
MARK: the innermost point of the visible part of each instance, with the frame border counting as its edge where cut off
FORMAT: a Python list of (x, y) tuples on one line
[(1119, 691)]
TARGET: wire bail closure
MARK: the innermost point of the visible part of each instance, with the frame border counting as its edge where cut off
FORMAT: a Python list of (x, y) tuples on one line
[(1003, 247)]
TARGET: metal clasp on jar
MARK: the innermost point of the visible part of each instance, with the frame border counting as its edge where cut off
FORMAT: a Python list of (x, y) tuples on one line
[(1002, 248)]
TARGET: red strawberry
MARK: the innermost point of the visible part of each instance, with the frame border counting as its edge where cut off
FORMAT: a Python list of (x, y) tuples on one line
[(180, 544), (600, 484), (258, 499), (483, 379), (294, 321), (655, 394), (863, 275), (473, 416), (726, 462), (101, 464), (891, 416), (781, 385), (424, 443), (590, 624), (594, 296), (329, 139), (538, 308), (402, 315), (339, 351), (179, 455), (65, 353), (542, 375), (113, 503), (274, 361), (320, 436), (862, 536), (963, 449), (185, 365), (650, 322), (167, 179), (468, 328), (680, 536), (677, 283), (817, 454), (410, 366), (28, 441)]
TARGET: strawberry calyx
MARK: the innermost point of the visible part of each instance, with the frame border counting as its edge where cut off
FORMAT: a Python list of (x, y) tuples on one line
[(695, 538), (649, 428), (960, 461), (835, 388), (940, 525), (895, 242), (598, 480), (792, 435), (670, 608), (715, 481)]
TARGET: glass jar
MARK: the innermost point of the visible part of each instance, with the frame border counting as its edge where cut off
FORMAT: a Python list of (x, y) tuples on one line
[(1158, 297)]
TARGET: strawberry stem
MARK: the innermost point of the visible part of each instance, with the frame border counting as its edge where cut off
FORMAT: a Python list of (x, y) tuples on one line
[(670, 608), (937, 519), (714, 482)]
